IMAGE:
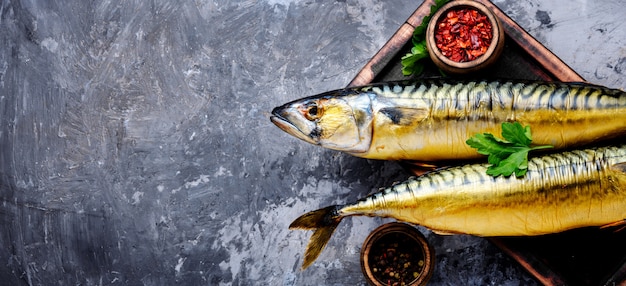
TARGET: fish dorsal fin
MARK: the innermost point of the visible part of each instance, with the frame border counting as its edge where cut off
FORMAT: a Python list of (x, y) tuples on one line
[(404, 115), (620, 167)]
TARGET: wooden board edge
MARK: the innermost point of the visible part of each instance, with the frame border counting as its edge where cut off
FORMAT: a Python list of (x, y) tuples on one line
[(618, 277), (531, 264), (392, 47), (543, 55), (422, 11), (383, 56)]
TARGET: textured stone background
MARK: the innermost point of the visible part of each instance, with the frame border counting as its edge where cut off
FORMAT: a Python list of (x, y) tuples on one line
[(136, 147)]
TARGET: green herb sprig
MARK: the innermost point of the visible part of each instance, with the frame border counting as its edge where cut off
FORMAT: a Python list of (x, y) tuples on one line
[(508, 155), (411, 61)]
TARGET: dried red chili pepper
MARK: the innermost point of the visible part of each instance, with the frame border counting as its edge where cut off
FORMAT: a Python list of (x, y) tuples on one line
[(463, 35)]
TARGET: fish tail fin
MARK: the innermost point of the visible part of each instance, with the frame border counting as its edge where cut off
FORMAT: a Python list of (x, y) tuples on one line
[(324, 222)]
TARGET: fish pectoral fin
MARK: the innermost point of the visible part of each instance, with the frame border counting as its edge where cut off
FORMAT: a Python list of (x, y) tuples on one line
[(419, 168), (619, 225), (620, 167), (404, 115), (445, 232)]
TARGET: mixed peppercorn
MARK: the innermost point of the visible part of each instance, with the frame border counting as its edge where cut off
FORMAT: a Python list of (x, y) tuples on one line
[(396, 259)]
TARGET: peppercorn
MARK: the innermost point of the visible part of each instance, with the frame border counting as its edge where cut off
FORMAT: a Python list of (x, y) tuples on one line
[(396, 259)]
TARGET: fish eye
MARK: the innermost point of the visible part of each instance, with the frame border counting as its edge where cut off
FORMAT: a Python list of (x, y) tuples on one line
[(312, 112)]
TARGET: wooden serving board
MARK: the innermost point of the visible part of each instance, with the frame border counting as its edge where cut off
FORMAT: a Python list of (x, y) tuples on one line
[(589, 256)]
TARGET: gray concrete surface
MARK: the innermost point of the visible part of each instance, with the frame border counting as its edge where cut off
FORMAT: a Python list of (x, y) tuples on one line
[(137, 147)]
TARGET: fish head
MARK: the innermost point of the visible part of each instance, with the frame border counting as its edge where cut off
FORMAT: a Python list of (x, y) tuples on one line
[(335, 120)]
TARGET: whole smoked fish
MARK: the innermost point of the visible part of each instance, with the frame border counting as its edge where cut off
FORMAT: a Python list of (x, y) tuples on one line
[(559, 192), (430, 120)]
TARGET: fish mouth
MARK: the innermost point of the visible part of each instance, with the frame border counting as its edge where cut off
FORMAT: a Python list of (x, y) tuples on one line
[(286, 125)]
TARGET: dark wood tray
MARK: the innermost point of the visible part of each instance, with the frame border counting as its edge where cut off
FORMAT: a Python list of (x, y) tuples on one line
[(589, 256)]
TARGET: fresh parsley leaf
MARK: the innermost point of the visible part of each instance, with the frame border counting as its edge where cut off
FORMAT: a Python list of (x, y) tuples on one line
[(516, 133), (508, 155), (516, 162), (489, 145), (411, 63), (420, 31), (417, 53)]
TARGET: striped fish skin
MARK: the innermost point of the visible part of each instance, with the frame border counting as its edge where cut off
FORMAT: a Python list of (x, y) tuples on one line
[(560, 191), (431, 120)]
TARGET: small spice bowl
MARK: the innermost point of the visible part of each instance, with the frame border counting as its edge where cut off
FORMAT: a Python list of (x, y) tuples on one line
[(464, 36), (397, 254)]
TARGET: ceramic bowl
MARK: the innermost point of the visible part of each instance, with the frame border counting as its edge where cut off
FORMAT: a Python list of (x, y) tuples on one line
[(396, 253), (485, 60)]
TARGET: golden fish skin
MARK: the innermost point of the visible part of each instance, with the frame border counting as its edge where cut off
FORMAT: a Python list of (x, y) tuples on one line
[(431, 120), (559, 192)]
